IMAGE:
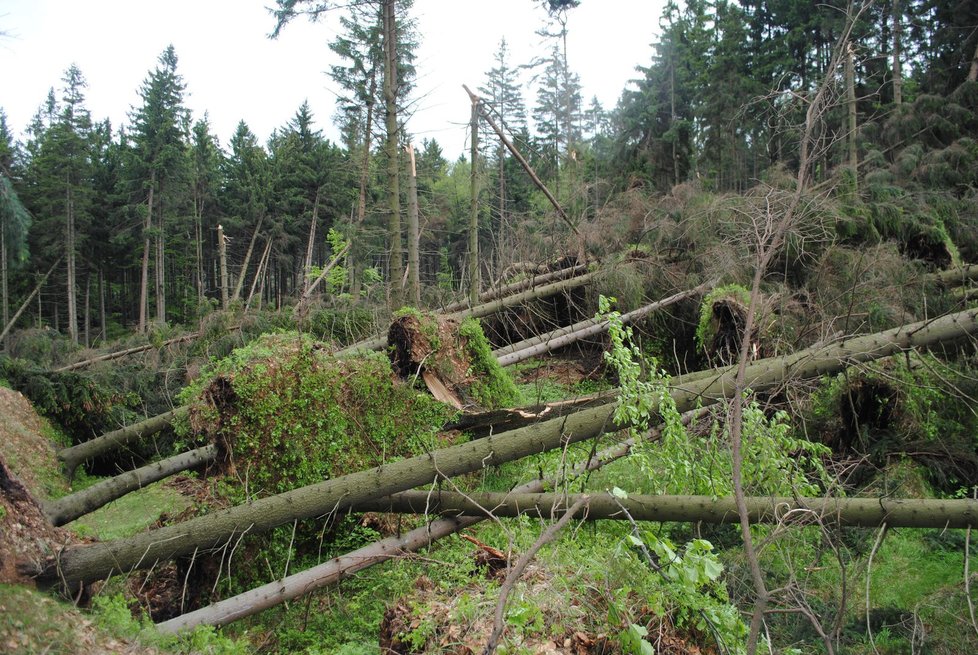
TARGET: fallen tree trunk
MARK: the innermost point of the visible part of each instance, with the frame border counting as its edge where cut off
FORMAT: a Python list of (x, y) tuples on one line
[(516, 287), (485, 309), (546, 343), (75, 455), (504, 420), (69, 508), (860, 512), (954, 277), (328, 573), (128, 351), (83, 564)]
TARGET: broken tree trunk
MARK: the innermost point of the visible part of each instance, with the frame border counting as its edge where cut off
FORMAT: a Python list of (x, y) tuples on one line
[(861, 512), (82, 564), (477, 103), (549, 342), (128, 351), (75, 455), (307, 294), (69, 508)]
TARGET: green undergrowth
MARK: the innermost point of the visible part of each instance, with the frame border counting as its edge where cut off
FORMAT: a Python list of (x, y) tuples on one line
[(32, 622), (493, 387)]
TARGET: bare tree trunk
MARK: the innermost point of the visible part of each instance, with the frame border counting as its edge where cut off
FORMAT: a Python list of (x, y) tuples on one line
[(304, 300), (474, 282), (973, 71), (82, 564), (515, 287), (144, 276), (223, 259), (199, 243), (356, 266), (390, 150), (3, 275), (310, 244), (75, 455), (68, 508), (413, 234), (897, 52), (160, 264), (860, 512), (20, 310), (251, 250), (851, 112), (101, 305), (88, 310), (70, 263), (262, 263)]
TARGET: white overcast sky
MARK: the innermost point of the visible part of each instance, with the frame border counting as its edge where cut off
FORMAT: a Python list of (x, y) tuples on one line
[(234, 72)]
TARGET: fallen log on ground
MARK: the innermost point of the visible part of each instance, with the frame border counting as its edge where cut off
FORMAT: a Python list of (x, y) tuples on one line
[(504, 420), (68, 508), (128, 351), (954, 277), (75, 455), (328, 573), (859, 512), (82, 564), (531, 282), (485, 309), (546, 343)]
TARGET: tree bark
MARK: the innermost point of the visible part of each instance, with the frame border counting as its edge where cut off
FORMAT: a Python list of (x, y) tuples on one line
[(897, 52), (144, 274), (299, 307), (973, 71), (69, 508), (413, 234), (251, 249), (851, 112), (82, 564), (70, 283), (390, 149), (262, 263), (858, 512), (549, 342), (474, 282), (75, 455), (223, 259), (160, 268)]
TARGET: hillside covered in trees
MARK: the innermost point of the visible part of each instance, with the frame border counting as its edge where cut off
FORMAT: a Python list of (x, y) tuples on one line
[(695, 373)]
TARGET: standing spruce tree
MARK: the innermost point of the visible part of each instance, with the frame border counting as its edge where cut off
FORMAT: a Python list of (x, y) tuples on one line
[(246, 198), (205, 171), (61, 185), (503, 97), (159, 128)]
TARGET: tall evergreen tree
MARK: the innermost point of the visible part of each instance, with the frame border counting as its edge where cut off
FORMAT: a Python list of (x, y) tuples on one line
[(159, 128)]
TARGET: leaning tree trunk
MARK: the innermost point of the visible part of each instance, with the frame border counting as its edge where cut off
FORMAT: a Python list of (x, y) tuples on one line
[(69, 508), (82, 564), (515, 287), (390, 151), (124, 353), (75, 455)]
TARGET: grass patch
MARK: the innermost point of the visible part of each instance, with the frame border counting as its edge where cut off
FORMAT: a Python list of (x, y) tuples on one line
[(130, 514)]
